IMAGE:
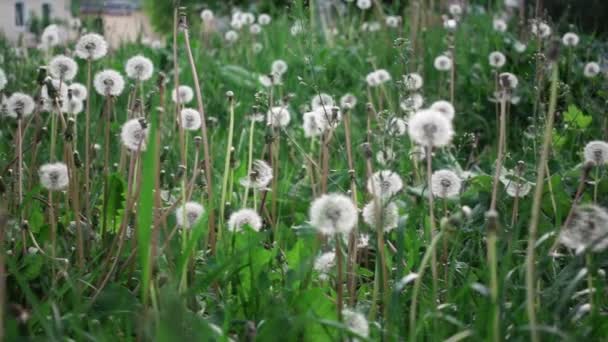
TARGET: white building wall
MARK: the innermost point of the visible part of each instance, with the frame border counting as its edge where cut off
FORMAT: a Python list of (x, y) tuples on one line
[(60, 9)]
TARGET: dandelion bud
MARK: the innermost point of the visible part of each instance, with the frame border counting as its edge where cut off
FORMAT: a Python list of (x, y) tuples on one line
[(42, 74), (183, 21), (25, 225), (492, 218), (181, 171), (367, 150), (230, 95), (77, 160), (69, 131), (197, 141)]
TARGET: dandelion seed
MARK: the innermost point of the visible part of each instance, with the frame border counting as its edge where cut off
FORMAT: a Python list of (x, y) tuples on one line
[(191, 119), (182, 95), (3, 80), (139, 68), (445, 184), (412, 103), (389, 215), (244, 217), (397, 127), (413, 81), (430, 128), (54, 176), (324, 264), (91, 46), (356, 323), (63, 68), (79, 91), (188, 214), (570, 39), (591, 69), (321, 101), (499, 25), (108, 83), (259, 177), (231, 36), (586, 229), (540, 29), (497, 59), (393, 21), (134, 134), (597, 152), (443, 63), (385, 156), (278, 116), (333, 213), (444, 107), (207, 15), (20, 105), (364, 4), (264, 19), (384, 184), (348, 101)]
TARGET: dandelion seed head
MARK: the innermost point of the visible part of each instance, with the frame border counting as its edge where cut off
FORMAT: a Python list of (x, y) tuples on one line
[(540, 29), (91, 46), (591, 69), (597, 152), (356, 322), (348, 101), (512, 3), (139, 68), (333, 213), (445, 184), (499, 25), (497, 59), (134, 134), (278, 116), (60, 89), (519, 46), (3, 79), (443, 63), (259, 177), (73, 106), (50, 37), (231, 36), (183, 94), (255, 29), (587, 228), (385, 156), (508, 80), (187, 215), (412, 103), (19, 105), (324, 263), (244, 217), (191, 119), (109, 83), (322, 101), (264, 19), (455, 10), (296, 28), (54, 176), (63, 68), (389, 215), (570, 39), (397, 127), (278, 67), (444, 107), (207, 15), (392, 21), (430, 128), (313, 124), (450, 25), (384, 184), (413, 81), (79, 91), (364, 4)]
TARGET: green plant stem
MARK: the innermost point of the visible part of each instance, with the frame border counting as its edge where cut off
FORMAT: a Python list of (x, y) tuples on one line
[(226, 168)]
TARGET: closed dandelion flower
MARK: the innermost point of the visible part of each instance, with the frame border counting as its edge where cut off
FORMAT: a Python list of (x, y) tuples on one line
[(109, 83), (324, 264), (188, 214), (333, 213), (412, 102), (597, 152), (348, 101), (430, 128), (511, 80), (586, 229), (191, 119), (591, 69), (3, 80), (397, 127), (20, 105), (356, 323), (63, 68), (264, 19), (364, 4), (541, 29), (517, 189), (91, 46), (570, 39), (445, 184), (231, 36), (389, 215), (497, 59), (244, 217), (413, 81), (278, 116), (134, 133), (79, 91), (499, 25), (183, 94), (385, 156), (444, 107), (73, 106), (139, 68), (322, 101), (443, 63), (313, 124), (259, 177), (278, 67), (384, 184), (207, 15), (54, 176)]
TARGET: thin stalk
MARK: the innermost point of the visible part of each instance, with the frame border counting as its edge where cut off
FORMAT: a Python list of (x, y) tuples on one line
[(501, 150), (429, 173), (87, 143), (226, 164), (351, 276), (493, 268), (249, 159), (339, 286)]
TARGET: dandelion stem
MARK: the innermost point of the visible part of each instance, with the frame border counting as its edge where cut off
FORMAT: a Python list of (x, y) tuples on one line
[(339, 284), (226, 165), (351, 276), (87, 129), (501, 150), (429, 173)]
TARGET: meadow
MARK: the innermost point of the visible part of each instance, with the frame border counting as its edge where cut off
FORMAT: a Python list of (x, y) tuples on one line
[(432, 172)]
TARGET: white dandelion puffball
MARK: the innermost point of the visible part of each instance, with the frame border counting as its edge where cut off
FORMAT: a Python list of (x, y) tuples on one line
[(356, 323), (364, 4), (597, 152), (455, 10), (541, 29), (372, 79), (278, 67), (182, 95), (389, 215), (247, 18), (587, 228), (511, 80), (322, 101), (296, 28), (278, 116), (413, 81), (79, 91), (73, 106), (430, 128), (109, 83), (207, 15), (445, 184), (266, 81), (257, 47), (570, 39), (385, 156), (512, 3), (444, 107), (519, 46), (244, 217), (191, 119), (383, 75), (59, 88), (313, 124), (450, 25), (139, 68), (497, 59), (591, 69), (392, 21), (443, 63), (259, 177), (50, 37), (91, 46), (63, 68), (264, 19), (189, 214), (3, 79), (412, 103), (134, 133), (255, 29), (333, 213), (384, 184), (20, 105), (348, 101), (518, 189), (324, 264), (397, 127), (499, 25), (54, 176), (231, 36)]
